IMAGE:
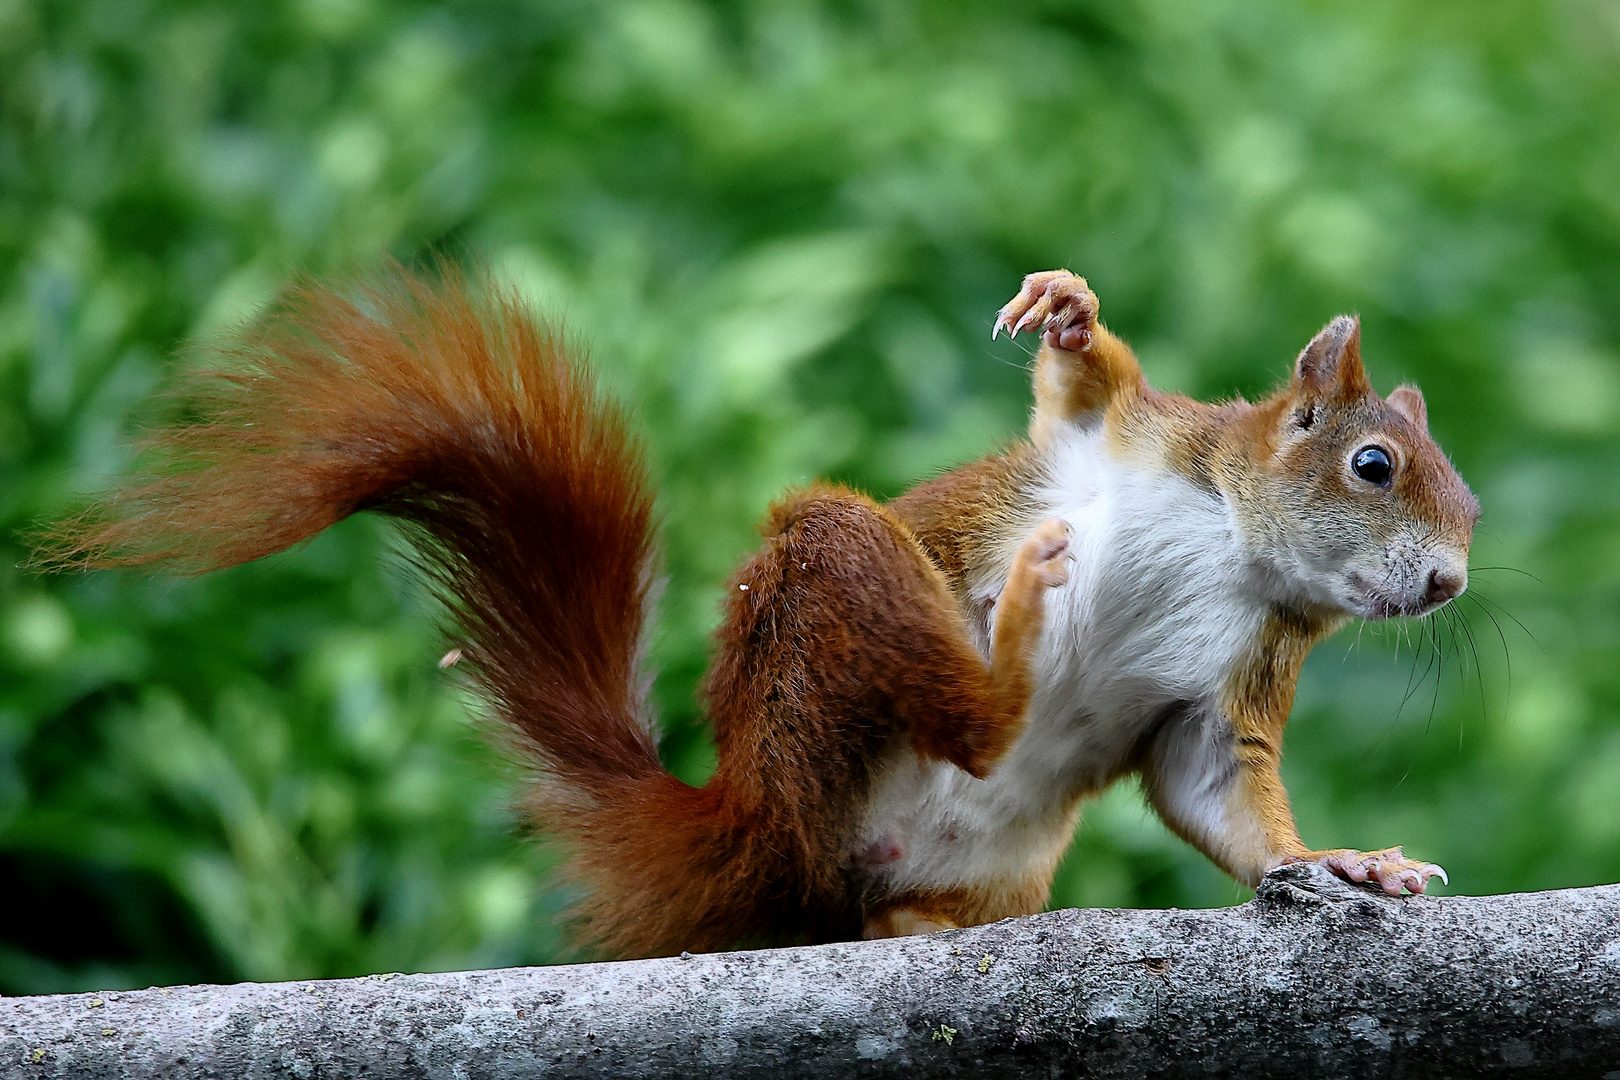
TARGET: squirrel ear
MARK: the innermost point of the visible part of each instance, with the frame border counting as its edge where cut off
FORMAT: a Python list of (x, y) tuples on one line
[(1408, 401), (1331, 363)]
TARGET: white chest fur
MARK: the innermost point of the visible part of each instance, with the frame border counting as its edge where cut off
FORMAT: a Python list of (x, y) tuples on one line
[(1158, 606)]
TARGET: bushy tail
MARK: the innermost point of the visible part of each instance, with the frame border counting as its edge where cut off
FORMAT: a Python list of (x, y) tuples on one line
[(532, 514)]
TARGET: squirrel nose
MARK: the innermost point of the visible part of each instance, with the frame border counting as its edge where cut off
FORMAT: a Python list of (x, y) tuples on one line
[(1446, 585)]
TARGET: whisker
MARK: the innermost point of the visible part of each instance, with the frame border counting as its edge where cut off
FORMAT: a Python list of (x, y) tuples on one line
[(1457, 641), (1414, 681), (1507, 655), (1439, 677), (1446, 617), (1403, 632), (1028, 366), (1473, 647), (1480, 598), (1506, 569)]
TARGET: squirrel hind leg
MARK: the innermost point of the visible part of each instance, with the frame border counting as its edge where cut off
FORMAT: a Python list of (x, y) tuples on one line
[(909, 912), (867, 626), (906, 921), (841, 637)]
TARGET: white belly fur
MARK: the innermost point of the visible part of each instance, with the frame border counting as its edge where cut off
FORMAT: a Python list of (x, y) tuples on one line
[(1158, 605)]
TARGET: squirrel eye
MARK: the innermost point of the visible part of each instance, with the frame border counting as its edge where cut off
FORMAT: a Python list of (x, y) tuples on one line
[(1371, 463)]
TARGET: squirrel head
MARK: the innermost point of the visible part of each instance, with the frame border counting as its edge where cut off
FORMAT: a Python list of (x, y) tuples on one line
[(1345, 496)]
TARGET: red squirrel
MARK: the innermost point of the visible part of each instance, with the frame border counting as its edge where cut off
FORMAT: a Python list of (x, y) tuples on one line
[(909, 700)]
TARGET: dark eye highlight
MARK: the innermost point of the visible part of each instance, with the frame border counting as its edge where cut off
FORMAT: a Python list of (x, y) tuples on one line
[(1372, 464)]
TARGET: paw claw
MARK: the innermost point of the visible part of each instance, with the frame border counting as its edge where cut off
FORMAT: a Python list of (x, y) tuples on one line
[(1031, 317), (1057, 302)]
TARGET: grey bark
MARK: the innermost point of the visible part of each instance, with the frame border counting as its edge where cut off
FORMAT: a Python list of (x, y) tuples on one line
[(1312, 978)]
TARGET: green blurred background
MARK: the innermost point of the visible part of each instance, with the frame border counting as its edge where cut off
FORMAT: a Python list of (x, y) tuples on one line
[(783, 227)]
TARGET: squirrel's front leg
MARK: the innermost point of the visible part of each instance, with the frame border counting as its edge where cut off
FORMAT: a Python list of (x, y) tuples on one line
[(1081, 367), (1219, 788), (1212, 773)]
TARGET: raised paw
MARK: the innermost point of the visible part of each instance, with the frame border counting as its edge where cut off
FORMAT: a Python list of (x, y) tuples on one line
[(1389, 868), (1058, 302), (1046, 553)]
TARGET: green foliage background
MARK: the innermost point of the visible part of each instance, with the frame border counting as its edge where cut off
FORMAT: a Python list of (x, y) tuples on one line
[(782, 226)]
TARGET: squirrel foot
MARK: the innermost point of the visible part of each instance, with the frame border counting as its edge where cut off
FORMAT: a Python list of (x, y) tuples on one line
[(905, 921), (1059, 302), (1389, 869)]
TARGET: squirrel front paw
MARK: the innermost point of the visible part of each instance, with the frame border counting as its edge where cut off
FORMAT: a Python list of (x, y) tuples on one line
[(1058, 302), (1045, 555), (1389, 869)]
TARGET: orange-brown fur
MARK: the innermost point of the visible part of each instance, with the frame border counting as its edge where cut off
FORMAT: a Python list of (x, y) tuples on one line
[(954, 516), (1258, 701), (944, 909)]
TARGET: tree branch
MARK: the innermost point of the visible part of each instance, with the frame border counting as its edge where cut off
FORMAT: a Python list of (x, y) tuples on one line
[(1312, 978)]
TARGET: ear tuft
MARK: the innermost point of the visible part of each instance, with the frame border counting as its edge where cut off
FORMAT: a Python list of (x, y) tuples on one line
[(1331, 363), (1407, 400)]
